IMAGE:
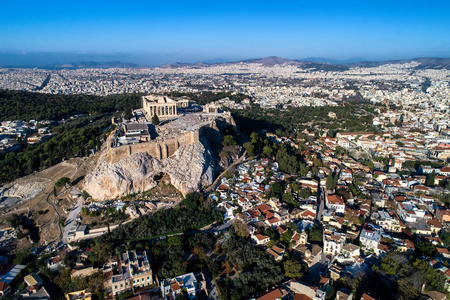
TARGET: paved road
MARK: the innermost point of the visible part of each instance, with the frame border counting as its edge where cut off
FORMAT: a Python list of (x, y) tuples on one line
[(320, 205), (208, 229), (70, 221), (225, 226)]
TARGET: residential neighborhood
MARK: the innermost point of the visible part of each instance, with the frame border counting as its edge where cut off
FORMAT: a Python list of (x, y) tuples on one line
[(338, 188)]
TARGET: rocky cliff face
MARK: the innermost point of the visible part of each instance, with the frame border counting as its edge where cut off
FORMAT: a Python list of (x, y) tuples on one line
[(189, 168)]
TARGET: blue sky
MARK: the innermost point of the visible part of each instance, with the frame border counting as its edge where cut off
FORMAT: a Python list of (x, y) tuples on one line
[(189, 31)]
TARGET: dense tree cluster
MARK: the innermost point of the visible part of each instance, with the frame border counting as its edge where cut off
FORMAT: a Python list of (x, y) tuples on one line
[(73, 138), (257, 271), (21, 105), (67, 284), (331, 182), (168, 258), (193, 214), (287, 162), (411, 274), (295, 119)]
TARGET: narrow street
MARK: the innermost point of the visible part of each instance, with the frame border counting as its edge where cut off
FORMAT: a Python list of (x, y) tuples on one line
[(70, 221)]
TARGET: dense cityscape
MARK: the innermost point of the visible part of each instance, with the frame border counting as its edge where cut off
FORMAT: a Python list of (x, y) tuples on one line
[(269, 179)]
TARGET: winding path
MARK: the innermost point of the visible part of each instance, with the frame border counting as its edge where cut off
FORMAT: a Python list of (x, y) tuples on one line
[(57, 212), (216, 182)]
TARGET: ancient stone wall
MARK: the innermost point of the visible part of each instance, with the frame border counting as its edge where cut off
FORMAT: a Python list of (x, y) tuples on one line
[(156, 149), (163, 149)]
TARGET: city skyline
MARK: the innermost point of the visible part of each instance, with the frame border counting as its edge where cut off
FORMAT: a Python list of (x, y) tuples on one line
[(152, 34)]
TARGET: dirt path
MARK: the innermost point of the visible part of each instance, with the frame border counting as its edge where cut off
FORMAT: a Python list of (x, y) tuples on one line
[(57, 213), (213, 186)]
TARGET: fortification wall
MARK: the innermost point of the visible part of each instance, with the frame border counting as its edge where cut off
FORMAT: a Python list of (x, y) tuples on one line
[(163, 149), (156, 149)]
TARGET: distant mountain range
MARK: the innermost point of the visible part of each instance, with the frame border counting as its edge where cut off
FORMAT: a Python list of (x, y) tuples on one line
[(317, 63), (314, 63), (267, 62), (425, 63), (93, 64)]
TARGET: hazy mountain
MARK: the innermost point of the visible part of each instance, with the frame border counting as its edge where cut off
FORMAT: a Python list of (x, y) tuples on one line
[(180, 65), (425, 63), (52, 60), (94, 64), (87, 60), (267, 62), (320, 63), (271, 61), (334, 61)]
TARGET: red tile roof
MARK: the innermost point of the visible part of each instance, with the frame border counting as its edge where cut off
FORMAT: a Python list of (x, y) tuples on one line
[(275, 294)]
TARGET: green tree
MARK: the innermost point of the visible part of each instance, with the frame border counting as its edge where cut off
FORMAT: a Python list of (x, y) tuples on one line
[(155, 120), (446, 238), (85, 194), (330, 184), (294, 186), (228, 140), (62, 182), (287, 197), (370, 164), (331, 133), (128, 113), (276, 189), (430, 179), (267, 151), (425, 248), (100, 253), (286, 237), (174, 241), (293, 269), (250, 148), (407, 289), (305, 193), (315, 234), (23, 257)]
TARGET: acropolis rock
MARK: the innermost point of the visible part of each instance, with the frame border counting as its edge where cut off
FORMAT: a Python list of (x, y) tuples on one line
[(189, 168)]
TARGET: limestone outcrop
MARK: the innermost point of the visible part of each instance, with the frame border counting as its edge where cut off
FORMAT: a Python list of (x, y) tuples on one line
[(189, 168)]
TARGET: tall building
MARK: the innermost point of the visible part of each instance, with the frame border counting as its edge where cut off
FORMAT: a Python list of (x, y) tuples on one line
[(133, 271), (332, 242)]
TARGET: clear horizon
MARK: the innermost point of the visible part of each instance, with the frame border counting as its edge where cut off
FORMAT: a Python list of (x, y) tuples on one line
[(153, 33)]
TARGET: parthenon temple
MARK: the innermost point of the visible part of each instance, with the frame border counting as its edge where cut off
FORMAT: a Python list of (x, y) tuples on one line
[(161, 106)]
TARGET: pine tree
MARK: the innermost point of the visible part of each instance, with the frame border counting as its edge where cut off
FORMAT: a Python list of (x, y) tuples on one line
[(155, 120), (430, 178), (128, 113), (331, 182)]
